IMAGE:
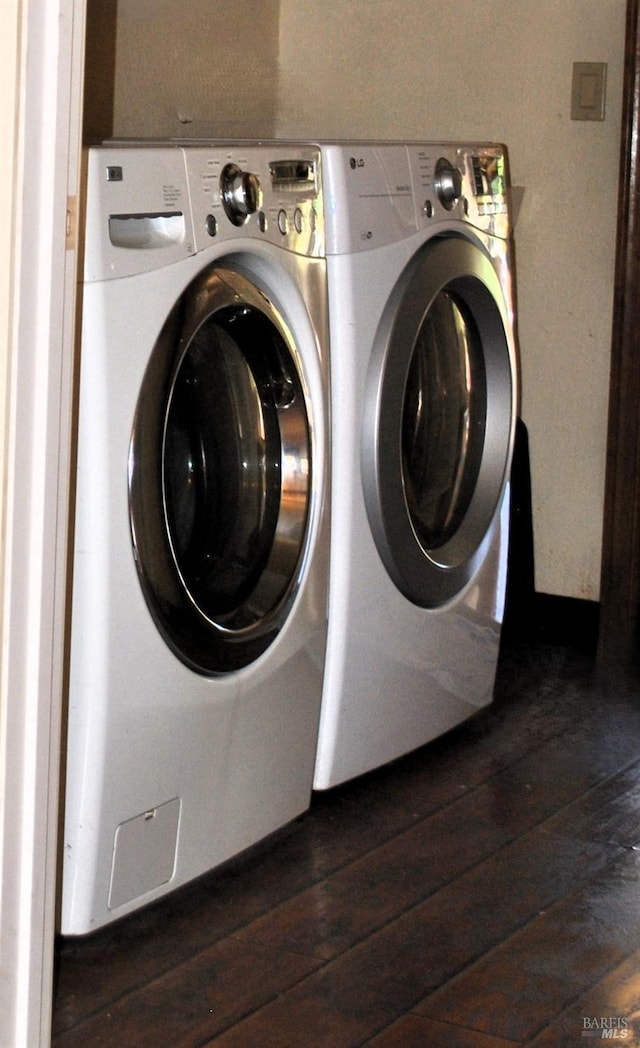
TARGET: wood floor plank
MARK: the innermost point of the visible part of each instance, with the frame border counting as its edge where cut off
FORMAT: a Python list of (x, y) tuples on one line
[(414, 1031), (343, 909), (607, 812), (190, 1004), (615, 999), (368, 987), (340, 911), (539, 970)]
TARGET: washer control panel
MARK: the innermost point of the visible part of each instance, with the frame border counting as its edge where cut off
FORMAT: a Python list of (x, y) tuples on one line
[(138, 211), (272, 192)]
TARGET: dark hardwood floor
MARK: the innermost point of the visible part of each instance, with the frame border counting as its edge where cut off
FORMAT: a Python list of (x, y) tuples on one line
[(483, 892)]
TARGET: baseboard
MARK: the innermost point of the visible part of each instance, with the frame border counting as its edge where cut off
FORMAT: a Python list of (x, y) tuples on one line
[(551, 619)]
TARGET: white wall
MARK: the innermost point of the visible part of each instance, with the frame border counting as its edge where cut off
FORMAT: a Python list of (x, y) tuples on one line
[(195, 68), (423, 69)]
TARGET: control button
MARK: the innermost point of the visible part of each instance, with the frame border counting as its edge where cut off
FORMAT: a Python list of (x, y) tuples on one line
[(283, 223), (211, 224), (428, 208), (298, 220), (262, 222)]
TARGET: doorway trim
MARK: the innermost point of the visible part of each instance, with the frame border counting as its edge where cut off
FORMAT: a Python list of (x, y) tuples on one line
[(43, 78), (620, 579)]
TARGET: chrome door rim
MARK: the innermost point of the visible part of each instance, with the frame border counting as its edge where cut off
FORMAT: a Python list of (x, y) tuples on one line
[(210, 641), (430, 577)]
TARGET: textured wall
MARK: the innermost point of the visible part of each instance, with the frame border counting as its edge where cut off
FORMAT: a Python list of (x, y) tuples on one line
[(195, 68)]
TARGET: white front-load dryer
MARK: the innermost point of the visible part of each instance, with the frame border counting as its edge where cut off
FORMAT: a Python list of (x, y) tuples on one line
[(200, 562), (424, 390)]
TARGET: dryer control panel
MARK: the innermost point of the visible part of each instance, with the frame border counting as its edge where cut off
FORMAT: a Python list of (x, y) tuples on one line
[(378, 194), (468, 183)]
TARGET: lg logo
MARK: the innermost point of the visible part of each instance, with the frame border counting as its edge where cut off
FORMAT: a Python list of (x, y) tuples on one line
[(355, 162)]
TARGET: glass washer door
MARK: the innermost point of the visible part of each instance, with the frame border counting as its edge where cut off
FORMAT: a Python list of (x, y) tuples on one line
[(438, 420), (220, 474)]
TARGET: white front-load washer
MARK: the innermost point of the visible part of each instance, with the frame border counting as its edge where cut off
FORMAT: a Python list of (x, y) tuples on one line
[(200, 562), (424, 390)]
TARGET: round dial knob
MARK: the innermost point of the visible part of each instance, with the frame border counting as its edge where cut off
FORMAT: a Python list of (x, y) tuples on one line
[(447, 183), (241, 193)]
